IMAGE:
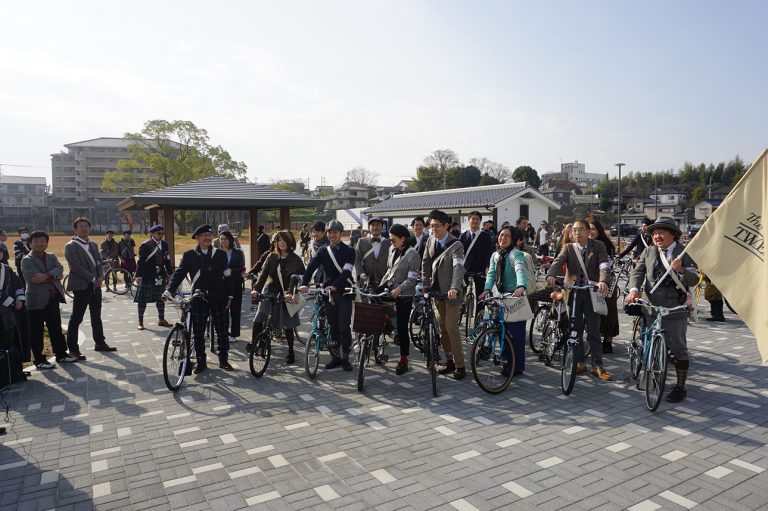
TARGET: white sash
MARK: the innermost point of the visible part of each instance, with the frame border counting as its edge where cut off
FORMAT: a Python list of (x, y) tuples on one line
[(672, 274), (469, 249), (87, 252), (336, 263)]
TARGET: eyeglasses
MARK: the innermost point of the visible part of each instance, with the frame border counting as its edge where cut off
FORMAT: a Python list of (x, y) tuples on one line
[(579, 229)]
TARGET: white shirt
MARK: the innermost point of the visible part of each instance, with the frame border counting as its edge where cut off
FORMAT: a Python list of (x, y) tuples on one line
[(543, 237)]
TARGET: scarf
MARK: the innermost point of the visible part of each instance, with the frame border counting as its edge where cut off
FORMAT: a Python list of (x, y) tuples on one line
[(501, 267)]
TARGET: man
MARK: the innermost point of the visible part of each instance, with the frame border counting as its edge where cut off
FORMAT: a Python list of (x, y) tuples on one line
[(318, 243), (355, 235), (443, 271), (12, 300), (672, 292), (44, 273), (523, 225), (20, 249), (594, 257), (208, 268), (371, 254), (109, 249), (420, 236), (337, 261), (4, 255), (127, 251), (86, 275), (304, 237), (478, 247), (262, 240), (152, 272), (641, 241), (488, 227), (542, 238)]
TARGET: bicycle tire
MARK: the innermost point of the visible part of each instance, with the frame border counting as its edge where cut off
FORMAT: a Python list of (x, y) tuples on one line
[(176, 357), (415, 327), (312, 356), (636, 349), (568, 369), (64, 285), (117, 275), (536, 329), (730, 307), (492, 360), (261, 352), (656, 373), (430, 355), (551, 341), (470, 310), (362, 360)]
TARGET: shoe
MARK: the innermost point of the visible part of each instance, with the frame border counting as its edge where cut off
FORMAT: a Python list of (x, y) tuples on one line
[(607, 347), (77, 355), (719, 319), (66, 359), (140, 327), (45, 365), (402, 368), (103, 346), (449, 368), (163, 322), (601, 373), (678, 394), (460, 373), (226, 366), (334, 363), (581, 368), (291, 358), (200, 367), (249, 347), (345, 364), (517, 373)]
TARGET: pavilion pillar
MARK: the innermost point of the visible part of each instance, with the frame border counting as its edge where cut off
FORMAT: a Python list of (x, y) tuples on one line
[(285, 218), (153, 214), (168, 223), (253, 225)]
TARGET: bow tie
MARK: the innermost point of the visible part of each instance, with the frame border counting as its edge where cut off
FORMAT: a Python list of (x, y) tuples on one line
[(376, 240)]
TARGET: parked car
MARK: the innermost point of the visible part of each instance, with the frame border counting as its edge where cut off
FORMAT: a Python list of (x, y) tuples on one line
[(693, 229), (626, 230)]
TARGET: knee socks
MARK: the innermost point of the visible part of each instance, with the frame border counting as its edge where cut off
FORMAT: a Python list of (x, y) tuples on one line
[(289, 338), (681, 368), (143, 308)]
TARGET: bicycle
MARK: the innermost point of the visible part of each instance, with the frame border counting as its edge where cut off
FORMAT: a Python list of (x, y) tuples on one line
[(112, 276), (179, 350), (260, 349), (372, 321), (430, 336), (468, 311), (319, 338), (492, 351), (621, 271), (414, 320), (648, 350)]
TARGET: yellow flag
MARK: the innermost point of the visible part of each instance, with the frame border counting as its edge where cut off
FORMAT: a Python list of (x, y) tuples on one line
[(730, 249)]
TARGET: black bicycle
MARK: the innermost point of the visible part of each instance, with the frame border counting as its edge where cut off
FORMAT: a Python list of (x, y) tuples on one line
[(179, 350), (260, 350), (371, 321), (430, 336)]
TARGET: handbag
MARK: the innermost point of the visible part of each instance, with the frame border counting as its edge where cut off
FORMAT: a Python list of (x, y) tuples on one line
[(599, 306), (292, 307), (516, 309)]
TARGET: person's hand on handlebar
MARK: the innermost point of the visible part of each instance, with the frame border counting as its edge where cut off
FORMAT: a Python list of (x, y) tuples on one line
[(603, 287), (632, 296), (484, 295), (395, 293), (166, 296), (304, 289), (255, 294), (453, 294), (551, 281), (518, 292)]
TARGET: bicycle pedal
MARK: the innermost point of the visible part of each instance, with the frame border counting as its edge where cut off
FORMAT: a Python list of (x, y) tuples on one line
[(383, 358)]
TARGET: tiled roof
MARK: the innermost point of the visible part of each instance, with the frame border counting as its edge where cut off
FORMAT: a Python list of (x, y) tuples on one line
[(220, 193)]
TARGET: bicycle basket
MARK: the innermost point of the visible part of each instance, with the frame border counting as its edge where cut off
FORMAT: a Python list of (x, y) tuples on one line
[(633, 309), (371, 318)]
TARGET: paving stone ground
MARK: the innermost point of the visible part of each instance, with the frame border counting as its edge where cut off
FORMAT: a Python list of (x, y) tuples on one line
[(107, 434)]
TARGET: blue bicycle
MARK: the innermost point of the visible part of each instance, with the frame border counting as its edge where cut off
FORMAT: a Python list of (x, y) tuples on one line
[(319, 338), (648, 349), (493, 358)]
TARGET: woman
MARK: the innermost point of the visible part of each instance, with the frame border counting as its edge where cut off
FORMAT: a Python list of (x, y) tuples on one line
[(506, 271), (236, 266), (280, 267), (403, 268), (609, 325)]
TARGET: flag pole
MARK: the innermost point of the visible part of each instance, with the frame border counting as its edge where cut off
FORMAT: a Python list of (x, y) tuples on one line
[(658, 282)]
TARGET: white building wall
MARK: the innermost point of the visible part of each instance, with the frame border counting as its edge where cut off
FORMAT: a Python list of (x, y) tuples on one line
[(509, 210)]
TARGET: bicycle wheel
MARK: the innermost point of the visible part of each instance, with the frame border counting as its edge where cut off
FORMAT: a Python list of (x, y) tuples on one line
[(656, 373), (261, 351), (470, 310), (64, 285), (312, 356), (636, 349), (493, 361), (730, 307), (430, 354), (568, 369), (536, 329), (210, 335), (118, 281), (550, 342), (176, 358), (414, 326), (362, 360)]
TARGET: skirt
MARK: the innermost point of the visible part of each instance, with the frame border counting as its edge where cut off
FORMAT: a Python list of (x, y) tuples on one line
[(280, 316), (148, 292)]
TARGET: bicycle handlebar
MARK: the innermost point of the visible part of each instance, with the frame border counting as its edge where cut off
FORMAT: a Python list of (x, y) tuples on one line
[(662, 311)]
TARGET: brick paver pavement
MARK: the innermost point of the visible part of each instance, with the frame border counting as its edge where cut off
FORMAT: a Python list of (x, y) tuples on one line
[(107, 434)]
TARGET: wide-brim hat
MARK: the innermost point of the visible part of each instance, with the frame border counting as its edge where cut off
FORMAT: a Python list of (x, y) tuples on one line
[(665, 222), (202, 230)]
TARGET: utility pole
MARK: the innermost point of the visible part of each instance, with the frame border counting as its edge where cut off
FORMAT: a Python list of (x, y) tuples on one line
[(619, 203), (656, 195)]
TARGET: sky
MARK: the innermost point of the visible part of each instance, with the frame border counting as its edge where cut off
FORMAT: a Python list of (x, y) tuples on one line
[(307, 90)]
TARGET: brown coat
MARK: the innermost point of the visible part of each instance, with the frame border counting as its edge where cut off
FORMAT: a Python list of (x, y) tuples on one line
[(595, 256), (291, 265)]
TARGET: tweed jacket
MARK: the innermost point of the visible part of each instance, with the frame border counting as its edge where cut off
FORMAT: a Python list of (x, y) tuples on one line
[(146, 266), (373, 267), (667, 294), (38, 295), (595, 260), (402, 273), (81, 270), (446, 270), (288, 267)]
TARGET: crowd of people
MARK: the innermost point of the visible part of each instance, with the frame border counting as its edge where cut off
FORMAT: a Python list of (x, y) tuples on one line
[(428, 250)]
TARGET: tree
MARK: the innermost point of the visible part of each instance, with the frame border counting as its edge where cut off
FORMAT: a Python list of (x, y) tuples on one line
[(498, 171), (428, 178), (361, 176), (463, 177), (527, 174), (167, 153), (443, 160)]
